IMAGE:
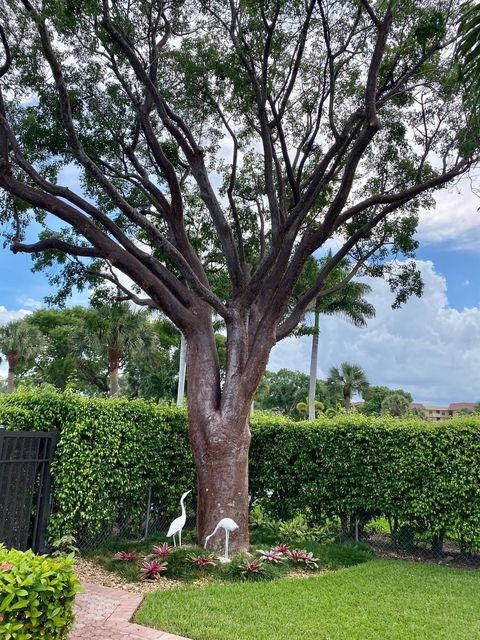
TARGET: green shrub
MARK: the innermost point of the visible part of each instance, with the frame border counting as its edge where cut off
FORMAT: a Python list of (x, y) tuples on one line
[(36, 595), (108, 454), (425, 475)]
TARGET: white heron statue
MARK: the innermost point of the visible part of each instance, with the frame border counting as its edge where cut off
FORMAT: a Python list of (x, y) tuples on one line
[(228, 525), (178, 524)]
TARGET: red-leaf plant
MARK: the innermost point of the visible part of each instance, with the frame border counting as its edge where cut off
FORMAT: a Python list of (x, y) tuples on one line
[(271, 556), (301, 556), (281, 548), (151, 569), (200, 561), (125, 556), (251, 567), (162, 550)]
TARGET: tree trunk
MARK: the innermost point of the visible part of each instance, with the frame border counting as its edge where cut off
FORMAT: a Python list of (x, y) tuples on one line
[(347, 397), (222, 482), (11, 380), (12, 367), (181, 370), (218, 422), (113, 369), (313, 368)]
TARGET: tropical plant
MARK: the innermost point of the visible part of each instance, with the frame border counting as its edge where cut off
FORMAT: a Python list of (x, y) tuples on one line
[(115, 331), (342, 122), (20, 342), (271, 556), (125, 556), (162, 550), (282, 548), (301, 556), (468, 50), (342, 297), (303, 408), (151, 569), (200, 561), (251, 569), (348, 379)]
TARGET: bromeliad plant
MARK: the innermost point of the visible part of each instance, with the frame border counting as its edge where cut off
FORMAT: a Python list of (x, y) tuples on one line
[(200, 561), (303, 557), (251, 569), (152, 568), (282, 548), (271, 556), (162, 550), (125, 556)]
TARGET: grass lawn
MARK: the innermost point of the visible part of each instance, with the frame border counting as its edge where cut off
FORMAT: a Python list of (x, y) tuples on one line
[(381, 599)]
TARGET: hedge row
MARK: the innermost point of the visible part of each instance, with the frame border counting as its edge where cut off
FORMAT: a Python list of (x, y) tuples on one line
[(422, 474), (108, 455)]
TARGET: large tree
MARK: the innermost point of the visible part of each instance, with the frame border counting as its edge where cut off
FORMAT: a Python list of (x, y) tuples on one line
[(217, 146), (60, 362), (374, 396)]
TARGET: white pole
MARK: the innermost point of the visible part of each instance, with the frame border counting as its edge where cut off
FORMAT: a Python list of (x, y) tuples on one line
[(181, 370)]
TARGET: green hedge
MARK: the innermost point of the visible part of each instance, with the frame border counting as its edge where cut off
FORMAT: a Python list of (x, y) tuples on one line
[(36, 595), (426, 475), (108, 455)]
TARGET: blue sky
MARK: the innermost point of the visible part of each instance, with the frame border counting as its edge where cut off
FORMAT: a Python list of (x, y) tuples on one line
[(431, 347)]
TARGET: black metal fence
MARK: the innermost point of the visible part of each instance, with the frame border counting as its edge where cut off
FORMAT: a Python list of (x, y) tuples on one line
[(25, 487)]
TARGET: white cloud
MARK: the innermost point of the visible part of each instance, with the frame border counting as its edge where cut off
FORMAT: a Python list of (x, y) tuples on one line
[(426, 347), (455, 219), (29, 303)]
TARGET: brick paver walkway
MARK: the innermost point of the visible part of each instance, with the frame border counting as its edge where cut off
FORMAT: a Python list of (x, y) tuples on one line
[(104, 614)]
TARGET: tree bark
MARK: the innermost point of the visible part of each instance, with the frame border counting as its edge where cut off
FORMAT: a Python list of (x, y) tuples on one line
[(12, 367), (11, 380), (219, 431), (313, 368), (222, 488), (181, 371), (113, 369)]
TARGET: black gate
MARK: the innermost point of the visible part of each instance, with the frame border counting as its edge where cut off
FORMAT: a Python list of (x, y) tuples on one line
[(25, 486)]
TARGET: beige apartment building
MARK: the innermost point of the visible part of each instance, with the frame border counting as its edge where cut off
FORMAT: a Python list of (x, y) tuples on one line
[(435, 414)]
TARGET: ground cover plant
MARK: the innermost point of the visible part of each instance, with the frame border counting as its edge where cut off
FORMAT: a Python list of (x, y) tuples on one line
[(137, 560), (381, 599)]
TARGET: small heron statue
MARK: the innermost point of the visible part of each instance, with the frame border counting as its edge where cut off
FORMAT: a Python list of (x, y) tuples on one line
[(178, 524), (228, 525)]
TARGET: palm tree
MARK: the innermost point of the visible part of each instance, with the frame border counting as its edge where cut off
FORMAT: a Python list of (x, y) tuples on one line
[(116, 331), (19, 342), (345, 300), (348, 379)]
